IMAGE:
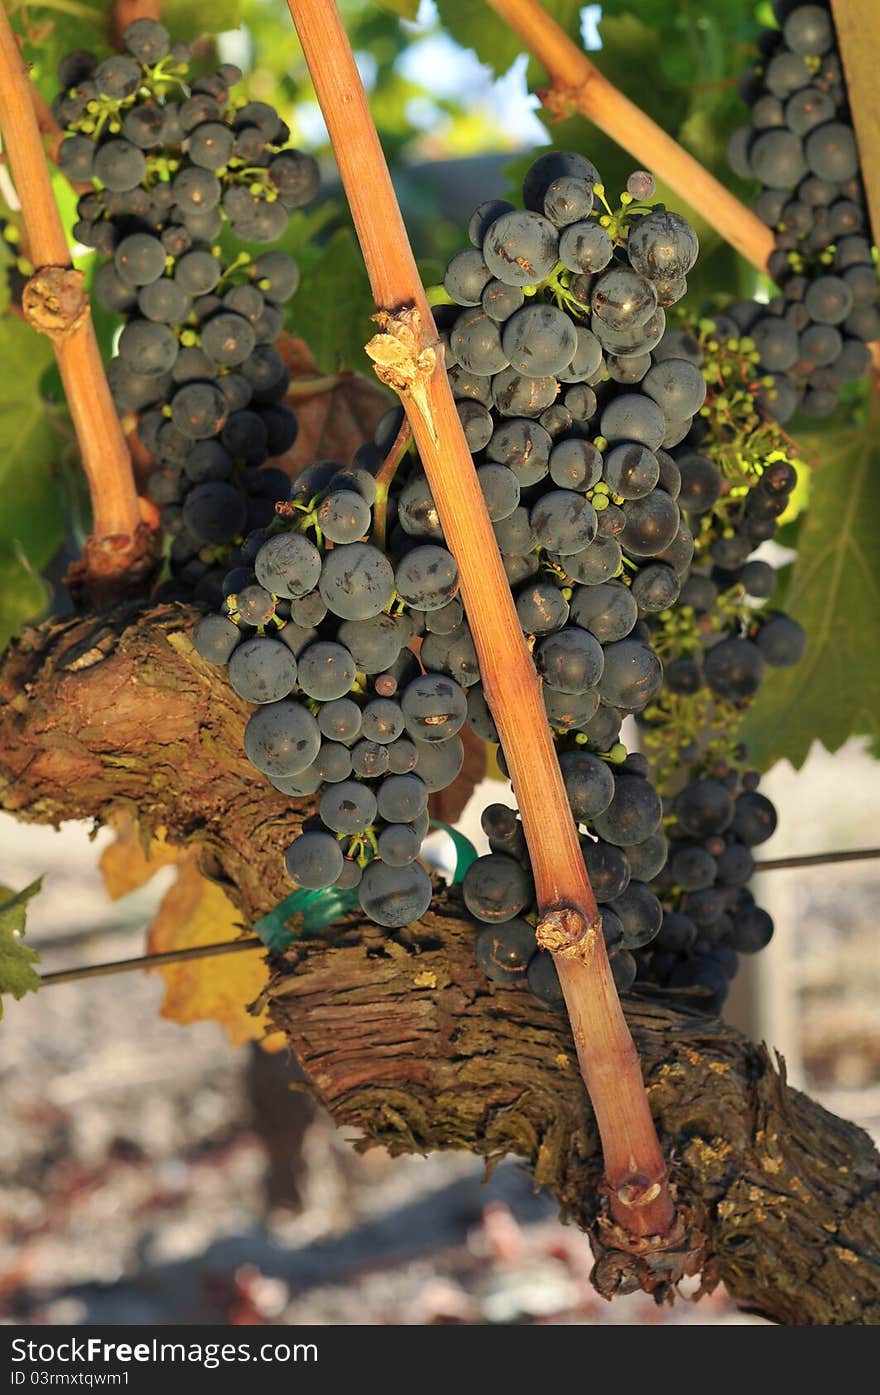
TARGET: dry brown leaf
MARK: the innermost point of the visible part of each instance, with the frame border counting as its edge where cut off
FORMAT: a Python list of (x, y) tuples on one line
[(338, 416), (297, 355), (194, 911)]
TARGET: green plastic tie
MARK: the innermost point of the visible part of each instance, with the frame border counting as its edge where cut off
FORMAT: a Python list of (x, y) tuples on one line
[(465, 852), (318, 909)]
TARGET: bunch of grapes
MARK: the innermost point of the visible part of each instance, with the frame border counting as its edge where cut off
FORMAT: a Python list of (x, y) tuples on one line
[(567, 432), (172, 162), (726, 593), (709, 914), (582, 497), (811, 338), (626, 502), (566, 413), (716, 645), (736, 483), (315, 631)]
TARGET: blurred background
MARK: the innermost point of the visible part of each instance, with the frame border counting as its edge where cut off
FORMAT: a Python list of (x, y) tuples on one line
[(156, 1172)]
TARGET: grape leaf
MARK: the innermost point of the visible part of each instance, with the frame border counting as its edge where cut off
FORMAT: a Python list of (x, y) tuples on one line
[(7, 262), (23, 593), (129, 862), (194, 911), (29, 446), (84, 26), (406, 9), (335, 413), (472, 24), (186, 19), (629, 50), (834, 592), (31, 518), (17, 974), (333, 307)]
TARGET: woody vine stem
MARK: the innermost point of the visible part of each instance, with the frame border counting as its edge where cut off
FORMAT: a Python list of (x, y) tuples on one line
[(408, 358), (55, 304)]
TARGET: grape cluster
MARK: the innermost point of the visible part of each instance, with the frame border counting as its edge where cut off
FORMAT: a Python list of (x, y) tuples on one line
[(315, 631), (619, 813), (709, 914), (725, 597), (716, 646), (320, 623), (172, 162), (737, 479), (556, 310), (341, 621), (567, 416), (800, 145), (723, 635)]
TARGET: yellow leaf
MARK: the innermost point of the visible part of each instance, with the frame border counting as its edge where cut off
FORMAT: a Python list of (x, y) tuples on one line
[(125, 866), (493, 769), (194, 911)]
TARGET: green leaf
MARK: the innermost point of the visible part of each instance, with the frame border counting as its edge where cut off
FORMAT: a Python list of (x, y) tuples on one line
[(628, 53), (475, 26), (472, 24), (333, 307), (407, 9), (186, 19), (834, 592), (23, 594), (9, 251), (30, 518), (17, 975)]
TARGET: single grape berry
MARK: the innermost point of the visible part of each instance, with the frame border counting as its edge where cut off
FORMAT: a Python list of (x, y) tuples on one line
[(504, 951), (394, 896), (496, 888)]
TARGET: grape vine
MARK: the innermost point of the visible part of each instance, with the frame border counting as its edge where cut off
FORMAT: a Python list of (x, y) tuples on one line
[(553, 542), (539, 312), (812, 337), (613, 480)]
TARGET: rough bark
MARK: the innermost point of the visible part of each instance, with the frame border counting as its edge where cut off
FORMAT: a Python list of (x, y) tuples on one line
[(117, 712), (406, 1040), (399, 1034)]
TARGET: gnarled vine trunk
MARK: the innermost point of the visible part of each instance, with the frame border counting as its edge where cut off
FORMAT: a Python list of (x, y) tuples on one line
[(400, 1034)]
